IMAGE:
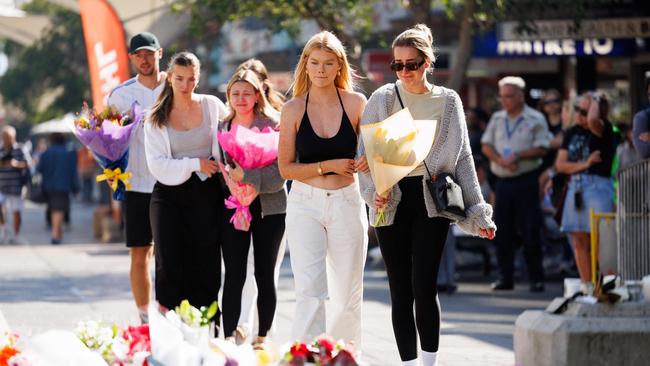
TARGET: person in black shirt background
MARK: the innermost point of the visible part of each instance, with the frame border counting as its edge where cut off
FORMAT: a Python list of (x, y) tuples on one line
[(586, 155)]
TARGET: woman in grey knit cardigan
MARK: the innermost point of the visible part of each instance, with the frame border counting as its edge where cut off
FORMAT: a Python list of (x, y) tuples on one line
[(414, 234)]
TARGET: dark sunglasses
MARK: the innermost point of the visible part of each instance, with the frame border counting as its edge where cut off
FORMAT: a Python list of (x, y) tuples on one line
[(411, 66), (551, 101), (583, 112)]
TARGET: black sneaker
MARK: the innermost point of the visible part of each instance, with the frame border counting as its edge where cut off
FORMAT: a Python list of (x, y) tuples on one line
[(502, 285), (537, 287)]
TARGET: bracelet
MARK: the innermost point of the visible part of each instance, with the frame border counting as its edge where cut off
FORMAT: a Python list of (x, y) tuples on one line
[(320, 169)]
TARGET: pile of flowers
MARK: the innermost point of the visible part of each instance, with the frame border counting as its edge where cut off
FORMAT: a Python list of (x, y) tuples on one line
[(323, 351), (118, 347), (10, 353)]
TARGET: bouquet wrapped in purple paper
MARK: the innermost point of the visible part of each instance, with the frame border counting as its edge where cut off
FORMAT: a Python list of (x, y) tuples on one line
[(107, 135)]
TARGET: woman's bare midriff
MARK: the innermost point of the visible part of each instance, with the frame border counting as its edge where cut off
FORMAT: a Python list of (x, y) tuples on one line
[(329, 182)]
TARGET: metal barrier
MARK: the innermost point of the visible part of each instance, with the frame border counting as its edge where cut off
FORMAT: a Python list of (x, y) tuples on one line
[(633, 221)]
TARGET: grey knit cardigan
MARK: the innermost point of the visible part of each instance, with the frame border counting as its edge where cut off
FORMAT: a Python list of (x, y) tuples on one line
[(450, 153)]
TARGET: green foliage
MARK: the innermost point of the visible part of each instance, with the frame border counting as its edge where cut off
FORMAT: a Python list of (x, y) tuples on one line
[(349, 19), (196, 317), (57, 61)]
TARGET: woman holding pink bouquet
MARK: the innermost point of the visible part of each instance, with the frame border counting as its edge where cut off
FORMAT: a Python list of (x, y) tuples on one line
[(267, 210), (326, 220), (187, 199), (414, 231)]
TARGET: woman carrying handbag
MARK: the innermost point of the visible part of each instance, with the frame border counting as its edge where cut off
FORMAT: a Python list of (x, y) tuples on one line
[(415, 231)]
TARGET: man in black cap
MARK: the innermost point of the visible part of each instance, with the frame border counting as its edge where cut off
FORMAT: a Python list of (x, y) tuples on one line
[(145, 54)]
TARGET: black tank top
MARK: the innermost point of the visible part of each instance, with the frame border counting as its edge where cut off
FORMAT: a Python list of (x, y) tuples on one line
[(312, 148)]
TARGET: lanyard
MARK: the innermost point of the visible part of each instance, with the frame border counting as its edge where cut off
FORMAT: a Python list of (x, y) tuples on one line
[(509, 132)]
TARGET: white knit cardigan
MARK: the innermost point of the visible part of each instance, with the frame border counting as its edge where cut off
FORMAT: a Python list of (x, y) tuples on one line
[(450, 153)]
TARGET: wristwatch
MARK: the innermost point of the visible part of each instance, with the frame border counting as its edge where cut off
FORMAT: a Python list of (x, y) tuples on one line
[(320, 169)]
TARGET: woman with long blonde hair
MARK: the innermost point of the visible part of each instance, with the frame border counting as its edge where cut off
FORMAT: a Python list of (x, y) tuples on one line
[(248, 109), (326, 221)]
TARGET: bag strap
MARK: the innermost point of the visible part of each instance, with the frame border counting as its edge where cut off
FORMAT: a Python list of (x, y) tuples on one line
[(399, 98)]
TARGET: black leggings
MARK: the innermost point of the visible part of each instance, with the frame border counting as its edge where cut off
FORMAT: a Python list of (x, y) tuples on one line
[(412, 247), (186, 235), (267, 235)]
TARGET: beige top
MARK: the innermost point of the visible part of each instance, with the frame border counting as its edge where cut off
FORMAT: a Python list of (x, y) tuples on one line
[(427, 106)]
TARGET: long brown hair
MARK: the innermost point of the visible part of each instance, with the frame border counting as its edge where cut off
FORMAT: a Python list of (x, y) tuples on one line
[(160, 112), (328, 42), (274, 98), (250, 77)]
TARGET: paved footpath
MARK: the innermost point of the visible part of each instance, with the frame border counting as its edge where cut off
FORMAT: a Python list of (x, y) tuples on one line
[(44, 287)]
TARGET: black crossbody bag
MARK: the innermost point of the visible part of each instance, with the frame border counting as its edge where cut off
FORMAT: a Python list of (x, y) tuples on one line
[(446, 193)]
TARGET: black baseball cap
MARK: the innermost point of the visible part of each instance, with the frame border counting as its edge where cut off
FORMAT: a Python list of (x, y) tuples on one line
[(144, 41)]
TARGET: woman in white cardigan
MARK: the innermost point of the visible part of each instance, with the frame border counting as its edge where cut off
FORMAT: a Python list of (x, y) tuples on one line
[(181, 145), (414, 235)]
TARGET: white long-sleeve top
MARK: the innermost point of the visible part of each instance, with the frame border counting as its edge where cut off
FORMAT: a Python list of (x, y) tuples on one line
[(163, 166)]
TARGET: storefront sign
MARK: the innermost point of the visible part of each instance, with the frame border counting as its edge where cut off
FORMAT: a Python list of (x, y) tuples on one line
[(613, 28), (488, 45)]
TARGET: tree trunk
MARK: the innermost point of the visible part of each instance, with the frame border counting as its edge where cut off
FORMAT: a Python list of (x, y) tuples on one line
[(465, 46)]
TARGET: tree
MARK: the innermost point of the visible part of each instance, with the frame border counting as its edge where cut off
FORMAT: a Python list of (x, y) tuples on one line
[(54, 67), (350, 20), (478, 15)]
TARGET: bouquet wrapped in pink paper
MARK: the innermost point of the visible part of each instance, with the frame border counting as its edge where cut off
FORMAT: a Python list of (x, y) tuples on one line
[(250, 149)]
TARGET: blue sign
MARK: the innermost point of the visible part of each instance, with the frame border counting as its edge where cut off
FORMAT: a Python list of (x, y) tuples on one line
[(488, 45)]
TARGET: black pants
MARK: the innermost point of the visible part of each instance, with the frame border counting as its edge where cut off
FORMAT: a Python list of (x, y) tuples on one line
[(518, 217), (412, 247), (185, 224), (267, 235)]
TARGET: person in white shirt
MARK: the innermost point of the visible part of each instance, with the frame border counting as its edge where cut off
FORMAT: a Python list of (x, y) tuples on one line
[(180, 136), (145, 54)]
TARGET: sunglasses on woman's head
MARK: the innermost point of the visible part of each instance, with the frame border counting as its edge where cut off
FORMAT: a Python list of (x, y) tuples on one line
[(411, 66), (583, 112)]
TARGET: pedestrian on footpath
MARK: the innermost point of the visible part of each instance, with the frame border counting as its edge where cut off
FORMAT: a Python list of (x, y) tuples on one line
[(248, 313), (14, 169), (145, 54), (413, 238), (641, 128), (248, 109), (58, 167), (516, 140), (187, 200), (587, 155), (326, 221)]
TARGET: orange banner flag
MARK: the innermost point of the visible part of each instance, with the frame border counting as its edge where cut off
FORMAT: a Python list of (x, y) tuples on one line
[(106, 49)]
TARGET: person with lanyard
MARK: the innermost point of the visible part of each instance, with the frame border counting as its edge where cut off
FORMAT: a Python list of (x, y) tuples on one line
[(326, 222), (515, 141), (249, 109), (413, 238), (587, 155), (187, 200), (145, 54)]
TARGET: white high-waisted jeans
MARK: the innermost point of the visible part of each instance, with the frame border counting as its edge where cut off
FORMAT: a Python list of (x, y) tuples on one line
[(327, 231)]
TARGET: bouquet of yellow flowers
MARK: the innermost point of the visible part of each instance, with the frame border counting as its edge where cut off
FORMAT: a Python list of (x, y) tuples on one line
[(394, 147)]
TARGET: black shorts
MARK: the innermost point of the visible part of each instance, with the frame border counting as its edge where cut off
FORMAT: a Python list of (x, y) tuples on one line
[(136, 219), (58, 201)]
